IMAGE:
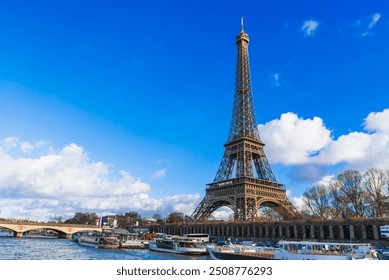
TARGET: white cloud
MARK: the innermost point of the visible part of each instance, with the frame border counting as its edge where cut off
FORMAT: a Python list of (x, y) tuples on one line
[(374, 19), (276, 80), (180, 203), (296, 201), (223, 213), (14, 143), (365, 27), (10, 142), (60, 183), (293, 140), (326, 180), (159, 161), (378, 121), (309, 27), (160, 173)]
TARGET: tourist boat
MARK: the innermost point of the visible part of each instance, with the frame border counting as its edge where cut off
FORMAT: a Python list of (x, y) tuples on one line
[(125, 239), (312, 250), (134, 244), (101, 242), (240, 252), (204, 237), (178, 245), (133, 241), (112, 238)]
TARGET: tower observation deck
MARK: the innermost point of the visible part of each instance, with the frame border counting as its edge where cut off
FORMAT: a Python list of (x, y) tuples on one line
[(244, 180)]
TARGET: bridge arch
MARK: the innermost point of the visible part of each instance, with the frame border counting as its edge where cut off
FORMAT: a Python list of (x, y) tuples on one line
[(64, 230)]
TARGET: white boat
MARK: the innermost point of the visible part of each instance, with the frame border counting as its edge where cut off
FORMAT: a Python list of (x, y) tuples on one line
[(124, 239), (202, 236), (312, 250), (240, 252), (89, 240), (178, 245), (6, 233), (134, 241)]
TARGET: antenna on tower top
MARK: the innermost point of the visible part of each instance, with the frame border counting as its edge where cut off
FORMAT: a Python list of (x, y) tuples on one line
[(241, 23)]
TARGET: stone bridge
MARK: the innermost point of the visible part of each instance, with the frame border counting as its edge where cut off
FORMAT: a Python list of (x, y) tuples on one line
[(64, 230)]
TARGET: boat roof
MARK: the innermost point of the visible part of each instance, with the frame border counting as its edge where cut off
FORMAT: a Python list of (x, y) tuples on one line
[(306, 242), (120, 231)]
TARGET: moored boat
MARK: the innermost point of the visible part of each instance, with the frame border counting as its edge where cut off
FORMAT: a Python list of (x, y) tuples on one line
[(89, 239), (6, 233), (240, 252), (178, 245), (312, 250), (383, 254), (125, 239), (134, 241)]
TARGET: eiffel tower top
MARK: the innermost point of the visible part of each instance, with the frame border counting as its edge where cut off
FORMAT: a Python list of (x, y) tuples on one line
[(243, 122), (242, 34)]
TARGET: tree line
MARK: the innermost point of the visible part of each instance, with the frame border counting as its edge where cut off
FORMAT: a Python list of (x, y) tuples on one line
[(131, 218), (351, 194)]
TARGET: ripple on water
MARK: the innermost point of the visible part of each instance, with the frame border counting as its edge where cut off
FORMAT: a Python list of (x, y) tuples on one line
[(62, 249)]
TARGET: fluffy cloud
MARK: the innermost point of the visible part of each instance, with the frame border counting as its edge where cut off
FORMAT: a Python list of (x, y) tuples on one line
[(62, 182), (309, 27), (293, 140), (378, 121)]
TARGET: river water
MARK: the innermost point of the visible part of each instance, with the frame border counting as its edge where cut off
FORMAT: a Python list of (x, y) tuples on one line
[(12, 248)]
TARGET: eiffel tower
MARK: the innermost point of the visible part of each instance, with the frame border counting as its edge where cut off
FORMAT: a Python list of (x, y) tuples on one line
[(244, 181)]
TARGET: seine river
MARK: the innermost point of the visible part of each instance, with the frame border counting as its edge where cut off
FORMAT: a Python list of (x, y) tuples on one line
[(12, 248)]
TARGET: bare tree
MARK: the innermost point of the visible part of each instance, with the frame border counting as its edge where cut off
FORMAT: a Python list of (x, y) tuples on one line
[(386, 193), (175, 217), (316, 201), (158, 218), (351, 193), (83, 218), (375, 182), (338, 201), (56, 219), (268, 214)]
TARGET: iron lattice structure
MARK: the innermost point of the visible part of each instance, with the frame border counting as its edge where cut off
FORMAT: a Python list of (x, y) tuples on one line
[(244, 181)]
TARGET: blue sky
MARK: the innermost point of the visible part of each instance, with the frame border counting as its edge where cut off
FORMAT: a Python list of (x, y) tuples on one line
[(125, 106)]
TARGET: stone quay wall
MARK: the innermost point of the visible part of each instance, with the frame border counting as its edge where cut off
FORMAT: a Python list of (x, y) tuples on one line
[(343, 230)]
